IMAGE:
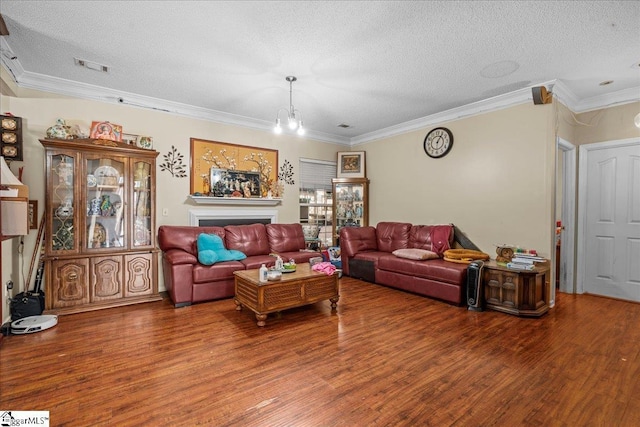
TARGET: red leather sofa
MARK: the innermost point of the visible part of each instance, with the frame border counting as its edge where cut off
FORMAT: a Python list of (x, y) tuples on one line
[(187, 281), (366, 253)]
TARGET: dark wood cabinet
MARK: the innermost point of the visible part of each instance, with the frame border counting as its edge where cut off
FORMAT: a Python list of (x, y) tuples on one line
[(519, 292), (100, 248)]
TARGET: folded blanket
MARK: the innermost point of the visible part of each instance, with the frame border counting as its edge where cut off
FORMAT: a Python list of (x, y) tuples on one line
[(324, 267)]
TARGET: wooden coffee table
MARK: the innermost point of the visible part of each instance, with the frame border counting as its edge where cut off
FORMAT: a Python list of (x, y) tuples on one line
[(303, 286)]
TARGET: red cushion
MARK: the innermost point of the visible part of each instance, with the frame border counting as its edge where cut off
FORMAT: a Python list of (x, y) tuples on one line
[(285, 237), (184, 237), (392, 235), (249, 239)]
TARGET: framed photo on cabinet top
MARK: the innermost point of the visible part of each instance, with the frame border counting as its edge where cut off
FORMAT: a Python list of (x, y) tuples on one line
[(351, 164), (130, 138), (106, 130)]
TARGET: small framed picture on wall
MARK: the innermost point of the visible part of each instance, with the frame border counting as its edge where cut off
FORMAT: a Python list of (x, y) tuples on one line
[(33, 214), (351, 164)]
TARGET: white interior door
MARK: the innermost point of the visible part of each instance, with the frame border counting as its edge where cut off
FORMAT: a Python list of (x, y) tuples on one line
[(612, 221)]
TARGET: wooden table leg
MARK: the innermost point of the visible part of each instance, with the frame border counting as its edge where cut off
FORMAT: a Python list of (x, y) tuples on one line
[(334, 301), (261, 319), (238, 304)]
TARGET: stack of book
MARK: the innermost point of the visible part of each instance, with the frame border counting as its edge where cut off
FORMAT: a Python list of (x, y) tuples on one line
[(524, 261)]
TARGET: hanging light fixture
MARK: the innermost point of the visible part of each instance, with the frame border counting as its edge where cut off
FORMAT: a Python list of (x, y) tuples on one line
[(294, 117)]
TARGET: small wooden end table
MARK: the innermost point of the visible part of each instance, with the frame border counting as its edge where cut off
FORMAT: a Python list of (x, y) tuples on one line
[(303, 286), (519, 292)]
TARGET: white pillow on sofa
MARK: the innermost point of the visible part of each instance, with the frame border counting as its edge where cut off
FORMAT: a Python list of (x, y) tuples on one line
[(415, 254)]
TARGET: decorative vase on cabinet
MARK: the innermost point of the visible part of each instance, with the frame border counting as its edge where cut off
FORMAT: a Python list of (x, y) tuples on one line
[(99, 247), (350, 204)]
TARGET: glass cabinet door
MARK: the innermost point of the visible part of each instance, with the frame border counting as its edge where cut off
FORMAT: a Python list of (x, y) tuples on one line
[(350, 204), (105, 219), (62, 193), (142, 197)]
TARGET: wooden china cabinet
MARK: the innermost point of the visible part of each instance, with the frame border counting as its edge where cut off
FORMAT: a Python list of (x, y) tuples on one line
[(350, 204), (99, 238)]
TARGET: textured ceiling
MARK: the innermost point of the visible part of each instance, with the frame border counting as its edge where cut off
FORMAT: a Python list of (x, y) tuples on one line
[(371, 65)]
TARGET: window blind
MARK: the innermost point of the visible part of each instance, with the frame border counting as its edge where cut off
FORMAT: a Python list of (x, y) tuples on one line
[(316, 174)]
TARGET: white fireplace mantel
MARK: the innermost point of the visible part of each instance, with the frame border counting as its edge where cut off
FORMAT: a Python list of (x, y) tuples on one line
[(235, 201)]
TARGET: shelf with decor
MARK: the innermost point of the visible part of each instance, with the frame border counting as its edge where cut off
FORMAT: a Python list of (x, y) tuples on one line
[(100, 246), (238, 201)]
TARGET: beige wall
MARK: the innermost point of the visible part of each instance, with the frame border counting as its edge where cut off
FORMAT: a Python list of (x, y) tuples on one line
[(566, 122), (496, 184), (607, 124)]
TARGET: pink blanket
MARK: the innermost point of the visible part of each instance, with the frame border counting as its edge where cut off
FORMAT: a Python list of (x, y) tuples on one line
[(324, 267)]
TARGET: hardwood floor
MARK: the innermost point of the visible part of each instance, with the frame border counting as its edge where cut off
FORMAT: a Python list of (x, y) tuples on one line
[(384, 358)]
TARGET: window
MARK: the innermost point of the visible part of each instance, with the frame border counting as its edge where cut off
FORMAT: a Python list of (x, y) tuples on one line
[(316, 201)]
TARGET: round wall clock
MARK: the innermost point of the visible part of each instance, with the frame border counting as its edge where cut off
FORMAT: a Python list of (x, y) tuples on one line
[(438, 142)]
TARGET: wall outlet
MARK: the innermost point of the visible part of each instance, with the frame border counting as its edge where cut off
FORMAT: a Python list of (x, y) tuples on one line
[(9, 285), (165, 212)]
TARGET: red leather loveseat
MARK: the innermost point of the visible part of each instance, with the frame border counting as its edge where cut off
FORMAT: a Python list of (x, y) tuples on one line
[(187, 281), (366, 254)]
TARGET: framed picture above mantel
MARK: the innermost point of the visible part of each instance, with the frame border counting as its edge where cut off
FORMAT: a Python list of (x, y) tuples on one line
[(234, 183), (208, 155)]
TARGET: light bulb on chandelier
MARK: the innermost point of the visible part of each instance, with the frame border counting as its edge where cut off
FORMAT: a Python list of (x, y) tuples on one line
[(294, 117)]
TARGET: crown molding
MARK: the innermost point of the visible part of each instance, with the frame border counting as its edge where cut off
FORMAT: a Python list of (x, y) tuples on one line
[(621, 97), (495, 103), (29, 80), (521, 96), (13, 66), (44, 83), (97, 93)]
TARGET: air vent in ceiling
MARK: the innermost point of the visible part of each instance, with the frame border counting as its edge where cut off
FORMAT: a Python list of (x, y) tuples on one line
[(91, 65)]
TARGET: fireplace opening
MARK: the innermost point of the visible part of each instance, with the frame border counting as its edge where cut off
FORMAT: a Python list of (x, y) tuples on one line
[(232, 221), (220, 218)]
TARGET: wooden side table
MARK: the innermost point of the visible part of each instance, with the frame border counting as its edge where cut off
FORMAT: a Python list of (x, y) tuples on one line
[(518, 292)]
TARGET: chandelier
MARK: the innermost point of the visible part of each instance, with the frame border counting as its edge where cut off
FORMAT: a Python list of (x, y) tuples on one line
[(294, 117)]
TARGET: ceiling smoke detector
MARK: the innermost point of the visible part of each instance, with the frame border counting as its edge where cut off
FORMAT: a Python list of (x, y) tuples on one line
[(91, 65)]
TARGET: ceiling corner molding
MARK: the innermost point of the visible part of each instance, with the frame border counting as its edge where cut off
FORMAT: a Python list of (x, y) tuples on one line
[(564, 95), (14, 67), (620, 97)]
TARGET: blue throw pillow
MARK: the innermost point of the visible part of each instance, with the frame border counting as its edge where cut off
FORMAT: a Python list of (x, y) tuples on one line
[(211, 250)]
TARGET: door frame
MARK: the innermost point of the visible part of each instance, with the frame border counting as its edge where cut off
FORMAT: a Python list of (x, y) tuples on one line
[(568, 218), (582, 203)]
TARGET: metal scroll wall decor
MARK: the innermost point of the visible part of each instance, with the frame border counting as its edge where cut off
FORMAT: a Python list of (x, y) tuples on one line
[(173, 163)]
